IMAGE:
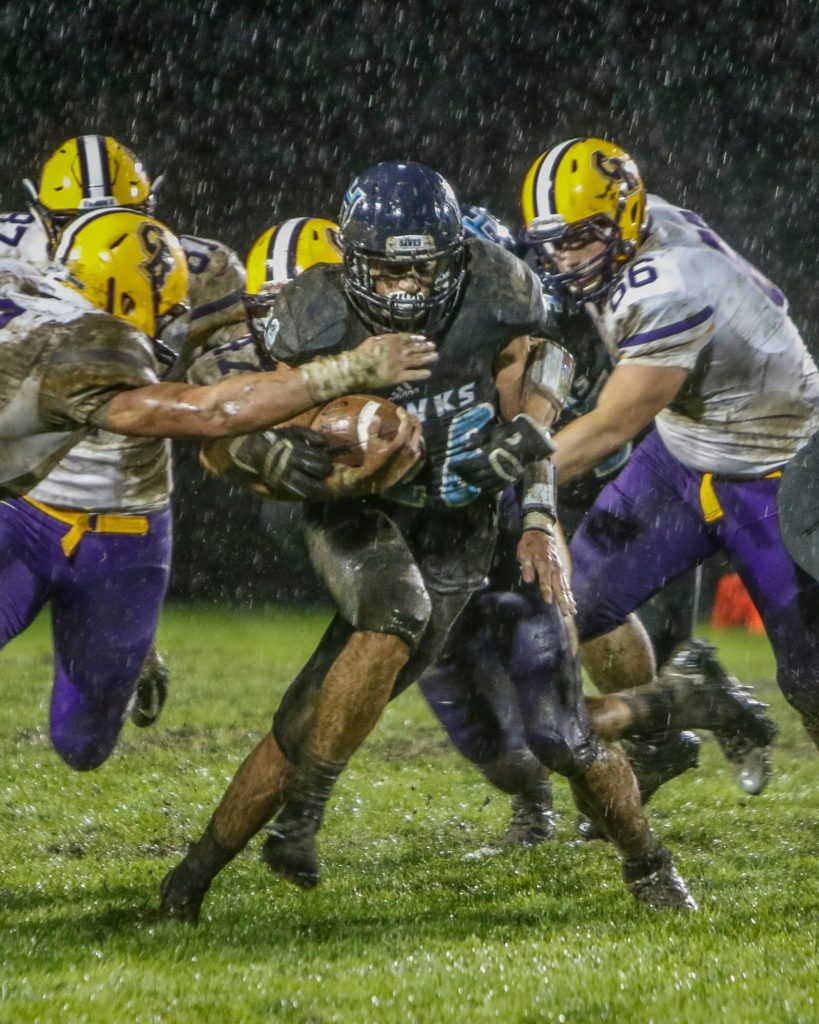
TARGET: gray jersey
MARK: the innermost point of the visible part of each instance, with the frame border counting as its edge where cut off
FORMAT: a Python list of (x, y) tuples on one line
[(688, 300), (61, 362), (111, 473)]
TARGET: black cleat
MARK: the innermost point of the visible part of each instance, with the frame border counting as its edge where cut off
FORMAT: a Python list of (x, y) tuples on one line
[(531, 824), (657, 883), (291, 851), (655, 762), (752, 766), (715, 700), (151, 690), (181, 894)]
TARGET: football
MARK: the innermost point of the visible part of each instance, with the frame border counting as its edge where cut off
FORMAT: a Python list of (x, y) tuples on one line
[(362, 432)]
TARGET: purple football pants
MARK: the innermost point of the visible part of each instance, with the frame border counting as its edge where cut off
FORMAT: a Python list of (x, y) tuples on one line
[(648, 526), (105, 603)]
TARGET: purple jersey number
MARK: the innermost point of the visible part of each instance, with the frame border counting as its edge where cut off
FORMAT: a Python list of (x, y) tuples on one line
[(8, 311), (21, 223)]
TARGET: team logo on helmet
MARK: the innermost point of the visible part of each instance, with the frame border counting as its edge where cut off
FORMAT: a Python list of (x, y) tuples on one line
[(615, 170), (159, 262), (352, 198)]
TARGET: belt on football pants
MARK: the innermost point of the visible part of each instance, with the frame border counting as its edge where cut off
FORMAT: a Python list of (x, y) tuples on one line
[(711, 508), (90, 522)]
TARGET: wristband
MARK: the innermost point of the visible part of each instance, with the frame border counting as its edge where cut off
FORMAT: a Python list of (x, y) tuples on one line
[(543, 520), (540, 488)]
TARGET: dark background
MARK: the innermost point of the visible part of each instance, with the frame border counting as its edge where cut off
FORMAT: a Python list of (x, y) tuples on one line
[(259, 112)]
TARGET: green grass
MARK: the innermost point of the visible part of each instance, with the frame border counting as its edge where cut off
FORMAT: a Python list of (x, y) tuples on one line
[(401, 929)]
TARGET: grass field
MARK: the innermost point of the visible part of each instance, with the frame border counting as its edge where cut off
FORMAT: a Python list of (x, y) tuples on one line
[(401, 929)]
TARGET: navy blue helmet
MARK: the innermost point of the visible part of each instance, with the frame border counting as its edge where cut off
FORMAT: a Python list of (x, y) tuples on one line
[(480, 223), (402, 215)]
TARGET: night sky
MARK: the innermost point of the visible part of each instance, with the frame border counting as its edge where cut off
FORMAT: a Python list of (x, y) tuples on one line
[(257, 117)]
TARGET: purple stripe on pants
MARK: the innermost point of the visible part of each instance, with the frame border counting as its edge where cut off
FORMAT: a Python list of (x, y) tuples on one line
[(105, 604), (647, 527)]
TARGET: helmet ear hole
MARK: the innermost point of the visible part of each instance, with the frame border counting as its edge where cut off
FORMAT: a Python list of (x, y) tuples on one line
[(127, 304)]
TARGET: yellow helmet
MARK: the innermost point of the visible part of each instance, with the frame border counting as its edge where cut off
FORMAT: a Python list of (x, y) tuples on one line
[(584, 186), (89, 172), (127, 264), (287, 249)]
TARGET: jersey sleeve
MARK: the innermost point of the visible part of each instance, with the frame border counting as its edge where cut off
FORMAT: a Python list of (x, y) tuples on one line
[(658, 322), (97, 358), (240, 355), (216, 285)]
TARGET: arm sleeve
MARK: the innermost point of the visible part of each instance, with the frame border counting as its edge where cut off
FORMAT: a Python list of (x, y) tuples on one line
[(668, 331), (98, 358)]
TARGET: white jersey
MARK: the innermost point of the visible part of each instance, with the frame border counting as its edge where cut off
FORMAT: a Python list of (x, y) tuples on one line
[(61, 361), (23, 237), (688, 300), (111, 473)]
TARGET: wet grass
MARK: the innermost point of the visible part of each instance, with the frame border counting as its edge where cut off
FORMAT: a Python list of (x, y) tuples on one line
[(401, 929)]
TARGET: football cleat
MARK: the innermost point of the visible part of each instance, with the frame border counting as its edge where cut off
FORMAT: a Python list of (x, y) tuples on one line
[(745, 739), (752, 766), (291, 850), (657, 883), (181, 895), (715, 700), (151, 690), (531, 824), (655, 762)]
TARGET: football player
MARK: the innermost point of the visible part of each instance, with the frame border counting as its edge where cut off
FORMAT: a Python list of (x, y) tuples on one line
[(77, 353), (705, 349), (106, 473), (401, 567)]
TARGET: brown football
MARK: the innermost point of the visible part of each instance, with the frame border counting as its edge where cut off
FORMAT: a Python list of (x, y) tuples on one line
[(362, 432)]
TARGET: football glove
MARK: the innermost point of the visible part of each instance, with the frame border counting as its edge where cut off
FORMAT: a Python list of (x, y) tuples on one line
[(294, 459), (507, 451)]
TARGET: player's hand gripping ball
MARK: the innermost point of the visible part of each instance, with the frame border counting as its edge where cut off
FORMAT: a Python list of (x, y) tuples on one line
[(373, 444)]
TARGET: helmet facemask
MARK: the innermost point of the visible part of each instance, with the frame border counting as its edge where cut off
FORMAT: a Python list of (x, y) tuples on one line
[(399, 219), (428, 309), (589, 281)]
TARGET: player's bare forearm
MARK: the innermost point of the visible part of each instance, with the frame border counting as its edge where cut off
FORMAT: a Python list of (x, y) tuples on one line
[(250, 402), (236, 405), (630, 400)]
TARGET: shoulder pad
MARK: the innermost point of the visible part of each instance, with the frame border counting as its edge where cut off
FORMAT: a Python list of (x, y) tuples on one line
[(310, 315), (216, 284), (508, 285)]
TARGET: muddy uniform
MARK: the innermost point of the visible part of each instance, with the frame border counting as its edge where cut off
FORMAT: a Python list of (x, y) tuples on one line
[(406, 563), (97, 528), (706, 478)]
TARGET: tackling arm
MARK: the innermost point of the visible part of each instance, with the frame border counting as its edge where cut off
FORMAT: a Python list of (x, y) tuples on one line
[(253, 401), (630, 400)]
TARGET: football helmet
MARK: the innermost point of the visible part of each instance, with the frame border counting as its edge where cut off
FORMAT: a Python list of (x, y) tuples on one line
[(287, 249), (478, 222), (126, 264), (584, 187), (283, 252), (403, 216), (90, 172)]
